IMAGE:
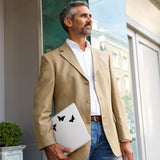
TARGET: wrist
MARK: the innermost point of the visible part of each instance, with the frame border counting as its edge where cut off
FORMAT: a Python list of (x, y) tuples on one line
[(125, 140), (49, 147)]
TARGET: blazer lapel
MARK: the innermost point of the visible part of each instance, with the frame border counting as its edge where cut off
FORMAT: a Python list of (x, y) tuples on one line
[(66, 52), (96, 62)]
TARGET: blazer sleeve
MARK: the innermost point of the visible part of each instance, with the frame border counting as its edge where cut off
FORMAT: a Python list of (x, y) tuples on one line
[(42, 107), (118, 108)]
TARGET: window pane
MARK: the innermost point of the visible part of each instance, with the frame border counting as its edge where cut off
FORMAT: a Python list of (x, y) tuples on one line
[(110, 35)]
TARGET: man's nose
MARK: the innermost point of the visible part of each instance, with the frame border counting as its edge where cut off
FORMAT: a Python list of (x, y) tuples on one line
[(89, 19)]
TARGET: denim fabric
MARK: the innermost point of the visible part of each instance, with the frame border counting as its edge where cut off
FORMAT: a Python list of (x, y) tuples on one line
[(100, 148)]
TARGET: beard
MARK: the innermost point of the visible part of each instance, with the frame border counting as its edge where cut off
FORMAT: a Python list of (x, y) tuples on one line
[(86, 31)]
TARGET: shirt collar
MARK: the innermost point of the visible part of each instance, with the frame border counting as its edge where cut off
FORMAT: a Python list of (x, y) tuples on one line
[(73, 44)]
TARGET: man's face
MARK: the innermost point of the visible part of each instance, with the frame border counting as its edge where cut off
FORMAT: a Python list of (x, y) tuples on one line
[(82, 23)]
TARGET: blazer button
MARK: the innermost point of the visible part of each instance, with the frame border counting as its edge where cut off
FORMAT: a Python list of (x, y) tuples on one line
[(88, 101), (88, 121), (86, 82)]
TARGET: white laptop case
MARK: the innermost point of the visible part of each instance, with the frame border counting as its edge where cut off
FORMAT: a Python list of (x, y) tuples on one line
[(69, 129)]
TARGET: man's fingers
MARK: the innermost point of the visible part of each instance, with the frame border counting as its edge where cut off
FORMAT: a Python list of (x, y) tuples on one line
[(123, 156), (62, 157), (130, 156), (127, 151), (55, 152), (63, 149), (68, 150)]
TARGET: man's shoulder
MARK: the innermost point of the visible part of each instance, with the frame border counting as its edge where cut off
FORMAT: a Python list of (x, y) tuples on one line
[(55, 53)]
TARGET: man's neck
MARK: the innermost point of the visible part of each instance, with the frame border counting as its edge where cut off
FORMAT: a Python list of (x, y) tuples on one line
[(80, 41)]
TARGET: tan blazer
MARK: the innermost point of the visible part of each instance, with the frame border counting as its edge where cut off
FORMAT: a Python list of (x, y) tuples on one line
[(63, 80)]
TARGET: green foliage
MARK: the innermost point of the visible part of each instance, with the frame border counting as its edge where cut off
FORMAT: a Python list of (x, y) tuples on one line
[(127, 99), (10, 134)]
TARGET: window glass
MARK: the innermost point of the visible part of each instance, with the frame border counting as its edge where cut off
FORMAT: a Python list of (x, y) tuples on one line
[(125, 65), (126, 83), (115, 60), (118, 81), (109, 35)]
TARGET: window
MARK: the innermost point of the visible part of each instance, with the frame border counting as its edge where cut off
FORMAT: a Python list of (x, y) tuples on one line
[(146, 78), (102, 46), (125, 66), (118, 81), (115, 60), (115, 40), (126, 83)]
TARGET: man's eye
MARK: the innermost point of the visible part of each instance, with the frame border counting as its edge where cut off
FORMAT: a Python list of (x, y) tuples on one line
[(86, 15), (83, 15)]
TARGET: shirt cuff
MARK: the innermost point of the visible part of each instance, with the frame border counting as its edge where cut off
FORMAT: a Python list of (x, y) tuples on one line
[(125, 140)]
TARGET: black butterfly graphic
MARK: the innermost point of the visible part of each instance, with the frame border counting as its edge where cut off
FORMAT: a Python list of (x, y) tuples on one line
[(72, 119), (54, 127), (61, 118)]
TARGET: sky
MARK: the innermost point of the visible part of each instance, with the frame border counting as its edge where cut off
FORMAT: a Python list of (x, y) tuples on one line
[(110, 15)]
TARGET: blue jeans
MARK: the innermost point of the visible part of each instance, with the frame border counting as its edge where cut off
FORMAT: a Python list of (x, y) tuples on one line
[(100, 148)]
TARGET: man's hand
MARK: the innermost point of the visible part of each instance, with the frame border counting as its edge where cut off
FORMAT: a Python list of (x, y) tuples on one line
[(126, 150), (55, 152)]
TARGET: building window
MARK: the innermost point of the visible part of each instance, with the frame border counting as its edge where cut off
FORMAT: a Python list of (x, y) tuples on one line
[(118, 82), (102, 46), (125, 66), (115, 60), (126, 83)]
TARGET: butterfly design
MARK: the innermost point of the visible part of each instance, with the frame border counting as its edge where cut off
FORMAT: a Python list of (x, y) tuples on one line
[(54, 127), (61, 118), (72, 119)]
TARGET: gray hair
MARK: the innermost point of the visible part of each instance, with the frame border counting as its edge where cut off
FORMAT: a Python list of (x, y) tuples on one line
[(69, 12)]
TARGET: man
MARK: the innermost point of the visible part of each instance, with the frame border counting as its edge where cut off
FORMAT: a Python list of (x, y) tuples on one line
[(76, 72)]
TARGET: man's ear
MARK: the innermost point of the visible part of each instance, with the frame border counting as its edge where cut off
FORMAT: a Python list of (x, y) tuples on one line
[(68, 22)]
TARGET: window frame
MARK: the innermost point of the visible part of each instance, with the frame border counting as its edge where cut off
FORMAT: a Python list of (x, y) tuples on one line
[(132, 29)]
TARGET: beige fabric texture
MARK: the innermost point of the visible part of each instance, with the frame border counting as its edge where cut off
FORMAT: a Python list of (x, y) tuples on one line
[(62, 80)]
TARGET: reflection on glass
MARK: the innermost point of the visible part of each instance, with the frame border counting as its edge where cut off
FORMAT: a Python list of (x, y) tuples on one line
[(110, 35)]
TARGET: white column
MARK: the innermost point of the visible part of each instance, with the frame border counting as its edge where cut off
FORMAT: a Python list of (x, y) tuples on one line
[(21, 68)]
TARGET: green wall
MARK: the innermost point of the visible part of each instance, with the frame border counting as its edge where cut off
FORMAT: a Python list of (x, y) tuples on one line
[(53, 34)]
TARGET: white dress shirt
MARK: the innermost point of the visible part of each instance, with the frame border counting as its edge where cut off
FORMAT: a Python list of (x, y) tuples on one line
[(85, 60)]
